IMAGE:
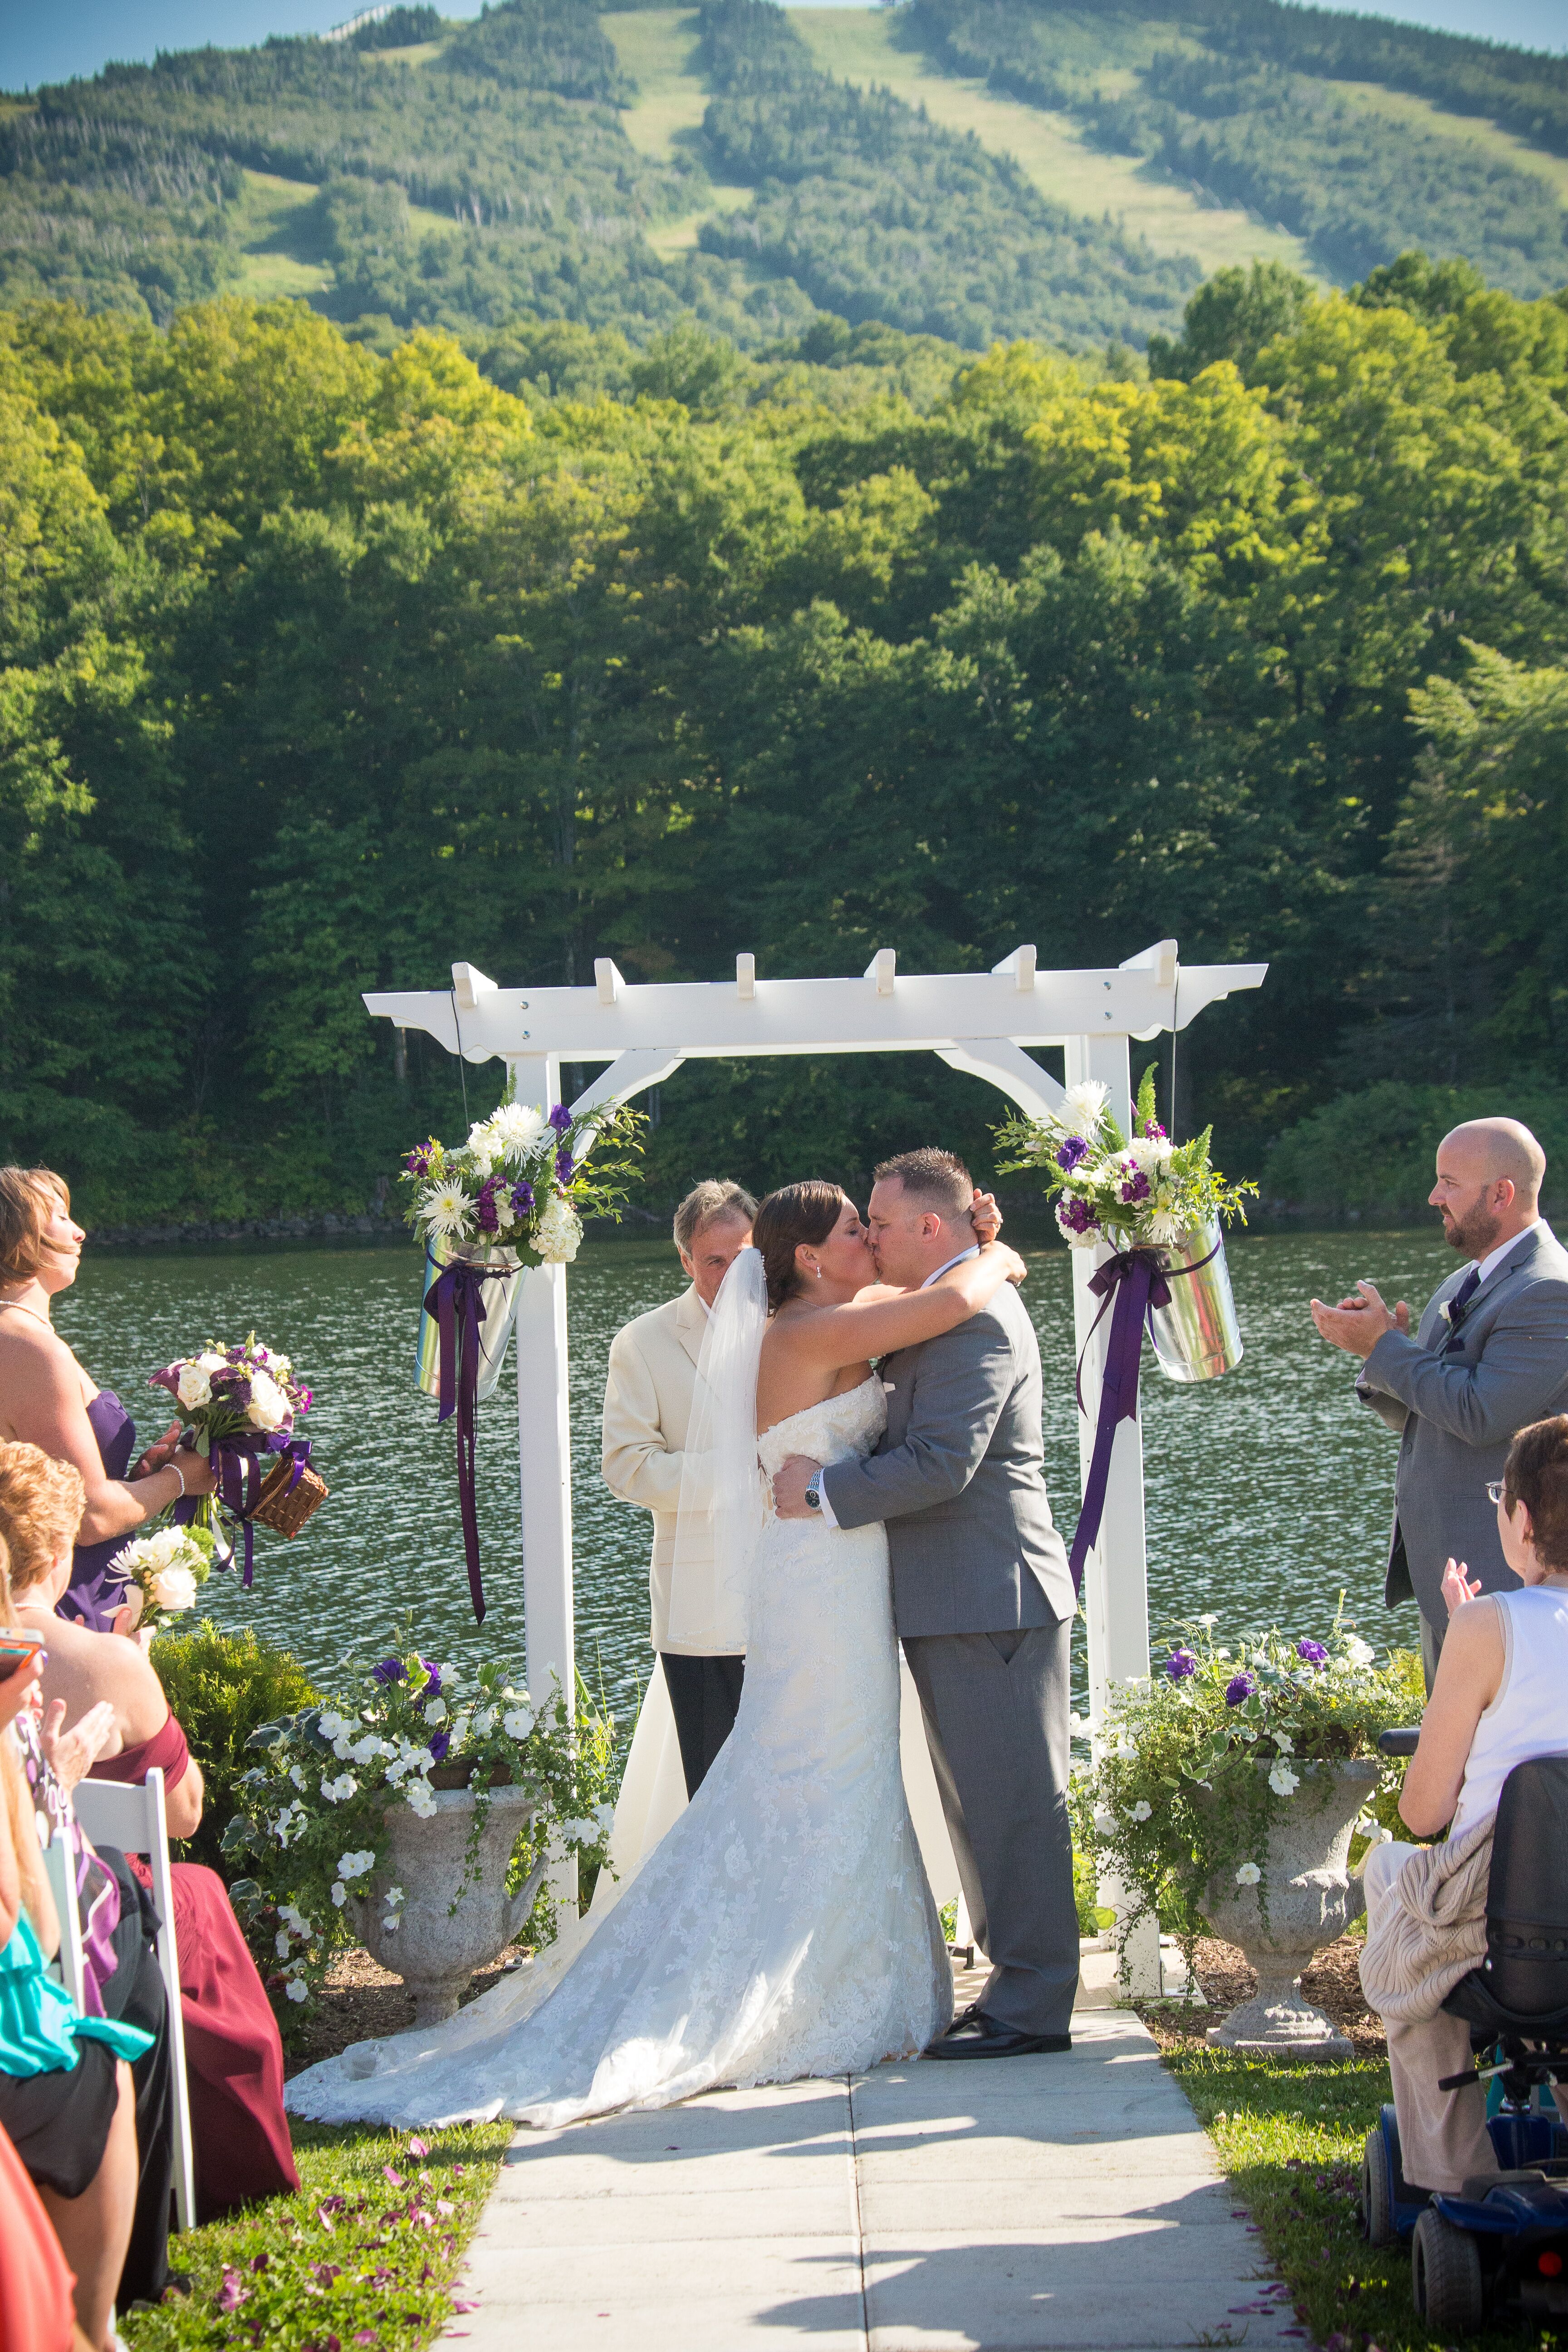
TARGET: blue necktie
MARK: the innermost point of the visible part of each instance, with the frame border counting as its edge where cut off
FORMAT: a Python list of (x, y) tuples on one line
[(1457, 1306)]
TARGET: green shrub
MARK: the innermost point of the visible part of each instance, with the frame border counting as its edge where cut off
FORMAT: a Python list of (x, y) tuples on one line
[(1368, 1156), (221, 1687)]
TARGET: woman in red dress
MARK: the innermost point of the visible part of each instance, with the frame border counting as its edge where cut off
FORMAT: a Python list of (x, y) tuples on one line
[(233, 2053)]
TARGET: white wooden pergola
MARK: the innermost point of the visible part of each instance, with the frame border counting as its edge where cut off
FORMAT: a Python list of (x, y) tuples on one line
[(981, 1023)]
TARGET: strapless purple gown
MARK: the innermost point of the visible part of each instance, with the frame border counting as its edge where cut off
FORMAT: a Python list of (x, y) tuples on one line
[(95, 1591)]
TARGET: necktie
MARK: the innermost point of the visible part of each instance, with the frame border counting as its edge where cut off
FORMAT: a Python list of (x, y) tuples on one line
[(1457, 1306)]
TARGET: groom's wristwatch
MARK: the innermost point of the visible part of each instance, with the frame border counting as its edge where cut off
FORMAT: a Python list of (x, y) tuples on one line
[(814, 1491)]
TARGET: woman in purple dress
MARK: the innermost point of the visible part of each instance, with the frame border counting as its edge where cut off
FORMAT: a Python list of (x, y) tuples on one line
[(46, 1400)]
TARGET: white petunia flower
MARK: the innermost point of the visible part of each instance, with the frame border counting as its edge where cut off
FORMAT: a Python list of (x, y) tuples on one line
[(1282, 1781), (1105, 1823), (1285, 1744), (485, 1722), (193, 1386), (297, 1989), (331, 1723), (518, 1722), (1358, 1652), (280, 1943), (339, 1893), (436, 1711), (297, 1774), (1141, 1809), (338, 1792), (421, 1800), (1248, 1875)]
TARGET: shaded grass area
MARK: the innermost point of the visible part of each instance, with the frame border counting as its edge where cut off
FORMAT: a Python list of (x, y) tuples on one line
[(365, 2255)]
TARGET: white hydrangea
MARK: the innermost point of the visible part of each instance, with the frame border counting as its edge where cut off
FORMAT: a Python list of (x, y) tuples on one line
[(559, 1233), (1152, 1154), (1248, 1875)]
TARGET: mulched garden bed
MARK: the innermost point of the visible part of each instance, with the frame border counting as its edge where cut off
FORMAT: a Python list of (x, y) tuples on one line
[(1331, 1982), (361, 2002)]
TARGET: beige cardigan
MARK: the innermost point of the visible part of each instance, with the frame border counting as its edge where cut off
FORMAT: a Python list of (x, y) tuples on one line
[(1431, 1927), (647, 1413)]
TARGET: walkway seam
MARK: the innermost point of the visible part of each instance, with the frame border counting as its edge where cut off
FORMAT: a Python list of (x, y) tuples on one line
[(855, 2212)]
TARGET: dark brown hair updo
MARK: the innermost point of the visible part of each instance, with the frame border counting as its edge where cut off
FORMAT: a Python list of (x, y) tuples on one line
[(794, 1214), (1536, 1475)]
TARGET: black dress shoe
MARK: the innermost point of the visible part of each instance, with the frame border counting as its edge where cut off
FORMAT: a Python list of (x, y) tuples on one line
[(975, 2035)]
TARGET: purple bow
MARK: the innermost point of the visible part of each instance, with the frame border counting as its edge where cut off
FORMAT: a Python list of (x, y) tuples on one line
[(1131, 1283), (242, 1461), (454, 1298)]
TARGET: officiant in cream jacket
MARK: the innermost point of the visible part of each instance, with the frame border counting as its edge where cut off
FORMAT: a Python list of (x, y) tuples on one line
[(647, 1413)]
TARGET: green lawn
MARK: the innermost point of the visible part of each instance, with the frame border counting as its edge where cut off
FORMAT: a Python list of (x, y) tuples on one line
[(267, 223), (1473, 129), (1290, 2139), (365, 2255)]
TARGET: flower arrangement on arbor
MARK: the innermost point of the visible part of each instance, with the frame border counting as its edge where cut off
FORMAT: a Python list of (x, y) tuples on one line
[(1134, 1192), (167, 1569), (238, 1406), (317, 1803), (1194, 1766), (520, 1185)]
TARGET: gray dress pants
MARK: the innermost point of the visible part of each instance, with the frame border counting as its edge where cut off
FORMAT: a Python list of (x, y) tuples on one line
[(996, 1709)]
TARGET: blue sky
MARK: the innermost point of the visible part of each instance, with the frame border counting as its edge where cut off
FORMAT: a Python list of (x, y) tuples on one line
[(49, 40)]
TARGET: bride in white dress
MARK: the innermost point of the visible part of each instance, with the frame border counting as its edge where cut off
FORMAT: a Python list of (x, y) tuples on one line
[(784, 1926)]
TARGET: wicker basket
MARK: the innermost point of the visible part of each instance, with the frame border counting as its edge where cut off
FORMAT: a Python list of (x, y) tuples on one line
[(287, 1507)]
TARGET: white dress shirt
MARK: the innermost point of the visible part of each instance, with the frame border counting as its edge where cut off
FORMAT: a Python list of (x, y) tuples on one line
[(825, 1511), (1494, 1258)]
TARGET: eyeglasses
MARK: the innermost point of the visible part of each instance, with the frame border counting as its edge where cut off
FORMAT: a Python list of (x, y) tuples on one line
[(1495, 1491)]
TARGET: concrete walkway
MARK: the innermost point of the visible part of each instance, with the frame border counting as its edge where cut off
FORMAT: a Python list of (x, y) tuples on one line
[(1032, 2202)]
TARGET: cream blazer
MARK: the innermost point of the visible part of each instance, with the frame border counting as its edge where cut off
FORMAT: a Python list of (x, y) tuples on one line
[(647, 1413)]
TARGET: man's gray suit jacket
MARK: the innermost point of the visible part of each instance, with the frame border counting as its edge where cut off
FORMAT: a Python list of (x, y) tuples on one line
[(960, 1479), (1457, 1414)]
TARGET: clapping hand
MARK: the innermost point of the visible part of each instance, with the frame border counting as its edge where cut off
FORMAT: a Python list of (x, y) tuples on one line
[(72, 1755), (1358, 1324), (1456, 1586), (20, 1689)]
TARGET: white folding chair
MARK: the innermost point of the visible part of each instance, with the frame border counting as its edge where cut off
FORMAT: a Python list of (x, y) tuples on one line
[(60, 1869), (116, 1812)]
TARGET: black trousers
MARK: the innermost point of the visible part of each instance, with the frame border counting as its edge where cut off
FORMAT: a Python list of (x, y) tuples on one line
[(135, 1995), (704, 1694)]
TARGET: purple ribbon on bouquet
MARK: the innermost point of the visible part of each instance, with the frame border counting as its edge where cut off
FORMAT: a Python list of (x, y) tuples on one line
[(241, 1472), (455, 1299), (1131, 1284)]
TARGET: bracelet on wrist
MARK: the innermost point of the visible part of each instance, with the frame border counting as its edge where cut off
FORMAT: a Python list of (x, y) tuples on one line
[(179, 1474)]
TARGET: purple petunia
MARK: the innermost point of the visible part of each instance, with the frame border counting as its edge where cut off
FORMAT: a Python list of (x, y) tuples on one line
[(1239, 1686), (1075, 1216), (563, 1165), (1180, 1665), (440, 1743), (391, 1670), (1313, 1651), (1073, 1150), (1136, 1188), (521, 1200), (432, 1686), (561, 1118)]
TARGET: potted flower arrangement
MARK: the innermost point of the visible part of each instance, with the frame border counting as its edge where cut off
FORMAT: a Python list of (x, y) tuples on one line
[(417, 1813), (1224, 1797)]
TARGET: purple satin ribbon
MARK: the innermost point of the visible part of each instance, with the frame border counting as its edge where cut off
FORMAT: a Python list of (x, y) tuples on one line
[(1132, 1283), (242, 1462), (455, 1298)]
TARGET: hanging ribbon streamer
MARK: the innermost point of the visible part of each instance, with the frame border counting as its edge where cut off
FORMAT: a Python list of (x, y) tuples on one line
[(455, 1299), (242, 1462), (1131, 1284)]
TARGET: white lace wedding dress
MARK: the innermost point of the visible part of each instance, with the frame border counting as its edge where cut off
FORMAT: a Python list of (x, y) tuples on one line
[(784, 1925)]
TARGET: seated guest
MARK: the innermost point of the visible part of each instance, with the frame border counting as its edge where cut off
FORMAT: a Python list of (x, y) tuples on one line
[(66, 2104), (46, 1400), (234, 2054), (1500, 1696), (36, 2289)]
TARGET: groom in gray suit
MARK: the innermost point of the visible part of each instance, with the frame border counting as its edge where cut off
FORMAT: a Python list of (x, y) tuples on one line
[(1491, 1356), (984, 1601)]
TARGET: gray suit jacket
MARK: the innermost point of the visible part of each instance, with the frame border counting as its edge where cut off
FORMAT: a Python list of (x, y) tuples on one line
[(959, 1478), (1456, 1415)]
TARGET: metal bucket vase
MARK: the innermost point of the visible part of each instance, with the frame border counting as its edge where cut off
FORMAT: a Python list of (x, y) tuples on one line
[(498, 1314), (1196, 1337)]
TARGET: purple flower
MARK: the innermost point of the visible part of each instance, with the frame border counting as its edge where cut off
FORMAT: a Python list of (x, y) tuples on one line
[(420, 1161), (1180, 1665), (391, 1670), (1136, 1188), (1313, 1651), (440, 1743), (521, 1200), (1076, 1216), (432, 1686), (1153, 1129), (484, 1215), (1072, 1150), (563, 1165), (561, 1118), (1239, 1686)]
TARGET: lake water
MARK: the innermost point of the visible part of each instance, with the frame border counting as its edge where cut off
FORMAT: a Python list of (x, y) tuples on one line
[(1268, 1491)]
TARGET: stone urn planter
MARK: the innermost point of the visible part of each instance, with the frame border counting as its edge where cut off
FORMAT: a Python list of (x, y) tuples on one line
[(1311, 1901), (435, 1948)]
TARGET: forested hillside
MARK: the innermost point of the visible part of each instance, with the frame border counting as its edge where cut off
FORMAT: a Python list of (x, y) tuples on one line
[(319, 668)]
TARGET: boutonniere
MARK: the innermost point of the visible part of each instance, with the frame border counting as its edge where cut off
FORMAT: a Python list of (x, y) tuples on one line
[(1446, 1310)]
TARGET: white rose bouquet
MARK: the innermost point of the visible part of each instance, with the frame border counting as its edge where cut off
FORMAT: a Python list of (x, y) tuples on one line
[(240, 1406), (1134, 1192), (168, 1568), (518, 1184)]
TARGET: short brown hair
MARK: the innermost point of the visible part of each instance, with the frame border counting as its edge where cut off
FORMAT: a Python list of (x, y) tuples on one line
[(41, 1504), (794, 1214), (714, 1197), (1536, 1475), (28, 1199), (937, 1179)]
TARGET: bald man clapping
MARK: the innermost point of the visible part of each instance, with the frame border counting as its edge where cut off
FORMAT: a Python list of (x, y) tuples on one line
[(1490, 1356)]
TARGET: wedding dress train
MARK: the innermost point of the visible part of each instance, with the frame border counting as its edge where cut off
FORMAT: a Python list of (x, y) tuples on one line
[(784, 1927)]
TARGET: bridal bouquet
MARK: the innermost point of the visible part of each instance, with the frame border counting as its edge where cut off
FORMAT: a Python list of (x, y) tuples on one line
[(317, 1808), (518, 1184), (1134, 1192), (168, 1568), (240, 1405)]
